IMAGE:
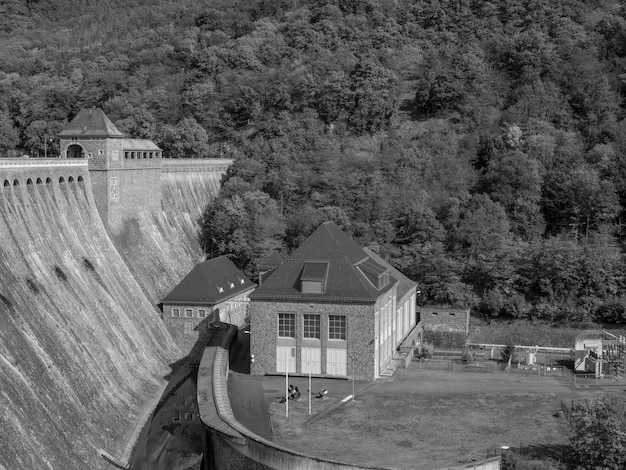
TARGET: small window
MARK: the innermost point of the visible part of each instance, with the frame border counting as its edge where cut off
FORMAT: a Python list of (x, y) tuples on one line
[(201, 313), (115, 155), (337, 327), (175, 312), (287, 325), (452, 314), (220, 289), (89, 155), (176, 417), (188, 328), (311, 326), (188, 313), (100, 152), (189, 416)]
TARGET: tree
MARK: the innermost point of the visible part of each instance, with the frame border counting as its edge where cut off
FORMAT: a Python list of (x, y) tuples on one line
[(187, 139), (246, 228), (599, 436), (8, 134)]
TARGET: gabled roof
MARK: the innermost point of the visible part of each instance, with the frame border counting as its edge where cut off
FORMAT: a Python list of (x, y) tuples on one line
[(329, 256), (91, 122), (209, 283)]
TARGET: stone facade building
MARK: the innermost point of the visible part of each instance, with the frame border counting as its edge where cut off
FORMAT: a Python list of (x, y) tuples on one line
[(214, 290), (445, 319), (332, 309)]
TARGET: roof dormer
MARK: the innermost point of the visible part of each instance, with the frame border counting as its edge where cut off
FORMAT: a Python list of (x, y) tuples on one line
[(378, 275), (313, 277)]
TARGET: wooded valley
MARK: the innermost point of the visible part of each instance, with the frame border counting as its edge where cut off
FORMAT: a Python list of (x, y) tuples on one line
[(479, 146)]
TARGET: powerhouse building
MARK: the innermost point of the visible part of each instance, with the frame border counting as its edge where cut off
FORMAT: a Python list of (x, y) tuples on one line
[(332, 308)]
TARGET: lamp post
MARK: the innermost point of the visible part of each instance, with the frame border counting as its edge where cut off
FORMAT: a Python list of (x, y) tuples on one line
[(309, 387), (45, 145), (352, 357)]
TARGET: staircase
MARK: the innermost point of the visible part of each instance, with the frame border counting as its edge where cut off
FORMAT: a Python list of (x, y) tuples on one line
[(397, 362)]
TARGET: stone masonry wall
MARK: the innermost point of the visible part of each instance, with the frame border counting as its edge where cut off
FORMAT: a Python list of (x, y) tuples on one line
[(187, 330), (359, 333), (446, 319)]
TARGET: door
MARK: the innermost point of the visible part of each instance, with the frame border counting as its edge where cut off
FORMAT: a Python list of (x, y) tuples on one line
[(311, 361), (336, 362), (285, 359)]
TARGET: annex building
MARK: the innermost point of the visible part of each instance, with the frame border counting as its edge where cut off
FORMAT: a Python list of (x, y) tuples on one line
[(215, 290), (332, 308)]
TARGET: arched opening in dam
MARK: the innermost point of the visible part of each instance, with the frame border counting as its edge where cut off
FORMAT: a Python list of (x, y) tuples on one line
[(6, 183), (16, 183), (75, 151), (39, 181), (61, 180)]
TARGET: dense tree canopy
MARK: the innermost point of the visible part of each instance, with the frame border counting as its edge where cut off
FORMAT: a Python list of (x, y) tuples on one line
[(480, 146)]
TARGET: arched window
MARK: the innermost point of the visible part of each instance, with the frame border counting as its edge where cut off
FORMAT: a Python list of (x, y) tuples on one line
[(39, 181), (70, 179), (6, 183), (16, 183), (61, 180), (29, 182), (48, 181), (80, 179)]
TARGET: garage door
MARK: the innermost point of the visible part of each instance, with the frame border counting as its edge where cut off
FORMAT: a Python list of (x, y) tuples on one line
[(311, 360), (336, 363), (285, 359)]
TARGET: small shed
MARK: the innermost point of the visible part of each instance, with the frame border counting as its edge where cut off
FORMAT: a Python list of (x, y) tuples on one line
[(444, 318)]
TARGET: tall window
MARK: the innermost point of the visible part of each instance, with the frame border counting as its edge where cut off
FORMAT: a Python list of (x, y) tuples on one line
[(188, 328), (287, 325), (201, 313), (337, 327), (188, 313), (311, 326), (176, 312)]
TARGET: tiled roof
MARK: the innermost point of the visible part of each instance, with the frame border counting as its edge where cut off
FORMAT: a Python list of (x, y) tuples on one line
[(91, 122), (329, 254), (139, 144), (404, 283), (272, 261), (209, 283)]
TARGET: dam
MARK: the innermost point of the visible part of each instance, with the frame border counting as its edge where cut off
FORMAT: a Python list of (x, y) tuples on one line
[(82, 346)]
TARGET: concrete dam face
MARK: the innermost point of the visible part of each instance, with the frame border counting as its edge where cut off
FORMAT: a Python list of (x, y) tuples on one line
[(82, 345)]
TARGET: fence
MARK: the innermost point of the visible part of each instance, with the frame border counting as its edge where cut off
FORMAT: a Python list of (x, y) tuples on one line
[(531, 457), (456, 366)]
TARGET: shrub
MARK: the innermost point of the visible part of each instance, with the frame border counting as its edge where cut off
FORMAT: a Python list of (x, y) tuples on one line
[(425, 351), (467, 356)]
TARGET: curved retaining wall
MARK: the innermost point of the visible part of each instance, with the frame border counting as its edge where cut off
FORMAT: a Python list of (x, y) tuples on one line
[(236, 447)]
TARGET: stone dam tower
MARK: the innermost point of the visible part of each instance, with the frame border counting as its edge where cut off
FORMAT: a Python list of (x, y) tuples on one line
[(125, 173)]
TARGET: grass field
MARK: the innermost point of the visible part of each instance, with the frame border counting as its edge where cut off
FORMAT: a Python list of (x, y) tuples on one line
[(392, 425), (527, 333)]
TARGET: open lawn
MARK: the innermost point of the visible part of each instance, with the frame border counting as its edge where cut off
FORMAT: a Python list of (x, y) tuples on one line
[(426, 419)]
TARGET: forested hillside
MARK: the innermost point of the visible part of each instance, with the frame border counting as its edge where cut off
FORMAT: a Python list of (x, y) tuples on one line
[(479, 146)]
